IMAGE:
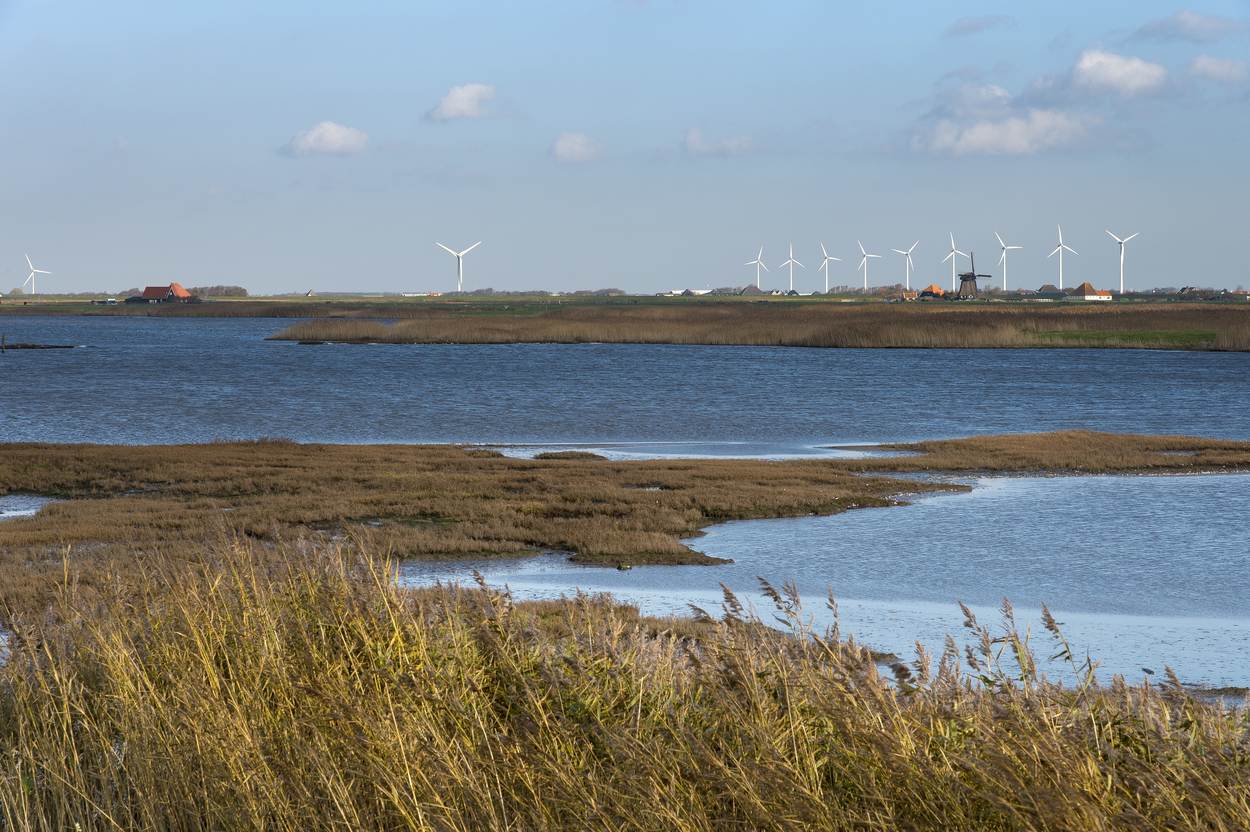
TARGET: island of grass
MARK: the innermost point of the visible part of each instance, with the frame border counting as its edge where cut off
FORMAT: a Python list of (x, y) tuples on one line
[(800, 324), (206, 637)]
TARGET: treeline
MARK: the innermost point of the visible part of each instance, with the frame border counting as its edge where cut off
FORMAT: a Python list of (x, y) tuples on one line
[(218, 291)]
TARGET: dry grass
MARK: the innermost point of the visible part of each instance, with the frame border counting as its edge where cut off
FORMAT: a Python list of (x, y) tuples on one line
[(126, 509), (815, 324), (282, 690)]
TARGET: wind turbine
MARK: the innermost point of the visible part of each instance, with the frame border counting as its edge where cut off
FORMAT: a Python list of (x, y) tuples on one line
[(459, 255), (951, 257), (758, 263), (30, 279), (824, 265), (907, 262), (1003, 259), (792, 263), (1060, 249), (863, 262), (1122, 242)]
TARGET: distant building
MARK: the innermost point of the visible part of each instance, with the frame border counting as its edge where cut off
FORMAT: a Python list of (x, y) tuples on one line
[(909, 294), (173, 293), (1086, 291), (932, 291)]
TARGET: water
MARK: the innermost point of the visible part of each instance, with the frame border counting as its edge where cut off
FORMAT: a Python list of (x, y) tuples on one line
[(13, 506), (1142, 571), (1146, 571), (154, 380)]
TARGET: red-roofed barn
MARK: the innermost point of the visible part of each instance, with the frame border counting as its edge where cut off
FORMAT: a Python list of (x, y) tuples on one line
[(173, 293)]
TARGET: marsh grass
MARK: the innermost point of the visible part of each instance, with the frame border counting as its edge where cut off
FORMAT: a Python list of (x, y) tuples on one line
[(124, 509), (268, 690), (811, 324)]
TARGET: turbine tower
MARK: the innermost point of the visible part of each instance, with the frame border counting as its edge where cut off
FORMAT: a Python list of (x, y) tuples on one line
[(459, 255), (1060, 249), (758, 263), (824, 265), (907, 263), (1002, 260), (951, 257), (792, 263), (30, 278), (1122, 242), (863, 262)]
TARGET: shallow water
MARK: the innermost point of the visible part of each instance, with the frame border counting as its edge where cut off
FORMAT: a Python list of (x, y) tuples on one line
[(1142, 571), (13, 506)]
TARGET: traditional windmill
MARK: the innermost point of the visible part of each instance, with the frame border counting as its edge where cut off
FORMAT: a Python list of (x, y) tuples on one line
[(968, 280)]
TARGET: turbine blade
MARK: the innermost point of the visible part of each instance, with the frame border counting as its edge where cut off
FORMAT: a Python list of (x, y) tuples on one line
[(861, 248), (1131, 236), (1056, 251), (470, 248), (762, 266), (1000, 240), (446, 249), (28, 263), (1112, 236), (898, 251), (949, 256), (952, 241), (960, 253), (823, 250), (1069, 248), (913, 247), (1002, 256)]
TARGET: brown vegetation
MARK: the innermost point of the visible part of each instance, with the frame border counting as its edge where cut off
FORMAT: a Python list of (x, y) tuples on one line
[(812, 324), (126, 508), (307, 692)]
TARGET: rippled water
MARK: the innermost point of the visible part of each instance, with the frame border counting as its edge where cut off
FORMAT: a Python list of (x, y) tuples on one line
[(144, 380)]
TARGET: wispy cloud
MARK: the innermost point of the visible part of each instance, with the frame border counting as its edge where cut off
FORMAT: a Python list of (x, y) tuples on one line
[(975, 25), (985, 119), (1191, 27), (1224, 70), (327, 138), (696, 144), (1098, 69), (575, 147), (464, 101)]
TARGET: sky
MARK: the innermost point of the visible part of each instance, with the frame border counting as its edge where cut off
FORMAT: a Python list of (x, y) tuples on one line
[(640, 144)]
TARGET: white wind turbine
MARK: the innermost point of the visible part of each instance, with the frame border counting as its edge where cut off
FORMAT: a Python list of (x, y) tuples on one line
[(1002, 260), (792, 263), (30, 278), (824, 265), (907, 263), (951, 257), (863, 262), (1060, 249), (459, 255), (758, 263), (1122, 242)]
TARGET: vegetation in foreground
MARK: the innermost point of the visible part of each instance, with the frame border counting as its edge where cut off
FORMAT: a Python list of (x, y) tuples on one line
[(945, 325), (125, 510), (265, 689)]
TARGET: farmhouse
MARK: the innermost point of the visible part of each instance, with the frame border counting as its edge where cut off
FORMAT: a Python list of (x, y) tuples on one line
[(1086, 291), (173, 293)]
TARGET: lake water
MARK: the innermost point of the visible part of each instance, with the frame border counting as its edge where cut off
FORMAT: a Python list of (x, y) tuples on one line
[(1145, 571), (147, 380)]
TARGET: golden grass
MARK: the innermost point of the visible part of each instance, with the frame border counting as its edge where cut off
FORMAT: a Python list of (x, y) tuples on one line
[(811, 324), (127, 508), (281, 690)]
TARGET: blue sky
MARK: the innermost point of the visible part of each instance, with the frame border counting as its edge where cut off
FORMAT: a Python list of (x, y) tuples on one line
[(644, 144)]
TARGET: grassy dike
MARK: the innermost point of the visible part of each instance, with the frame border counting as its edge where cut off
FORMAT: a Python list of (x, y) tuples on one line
[(211, 637)]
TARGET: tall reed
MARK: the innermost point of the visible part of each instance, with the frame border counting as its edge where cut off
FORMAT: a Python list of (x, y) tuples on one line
[(310, 692)]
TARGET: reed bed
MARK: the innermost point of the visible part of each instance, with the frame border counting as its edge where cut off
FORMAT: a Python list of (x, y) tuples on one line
[(810, 324), (267, 690)]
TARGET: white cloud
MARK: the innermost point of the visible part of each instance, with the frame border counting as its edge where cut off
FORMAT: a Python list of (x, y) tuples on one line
[(1190, 26), (327, 138), (975, 25), (1224, 70), (1098, 69), (697, 144), (464, 101), (1022, 134), (574, 147)]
